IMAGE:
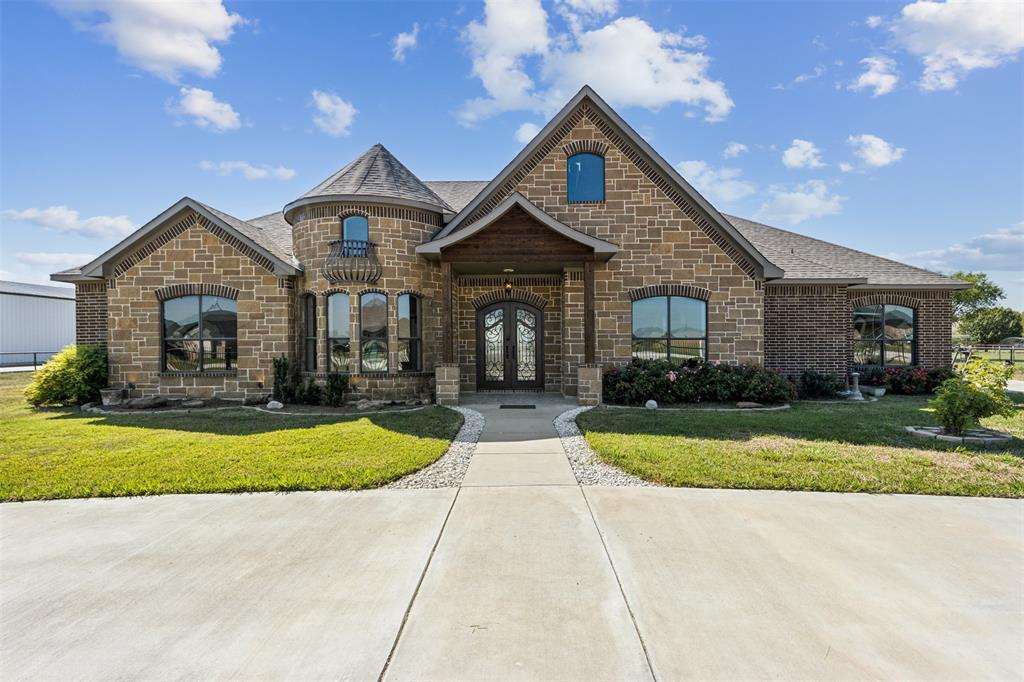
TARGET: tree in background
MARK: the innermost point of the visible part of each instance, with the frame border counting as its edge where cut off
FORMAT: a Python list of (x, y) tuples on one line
[(984, 294), (989, 325)]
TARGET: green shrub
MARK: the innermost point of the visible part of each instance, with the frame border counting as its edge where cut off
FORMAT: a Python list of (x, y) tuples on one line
[(335, 389), (903, 380), (280, 391), (814, 384), (990, 325), (72, 377), (694, 381), (979, 392), (309, 393)]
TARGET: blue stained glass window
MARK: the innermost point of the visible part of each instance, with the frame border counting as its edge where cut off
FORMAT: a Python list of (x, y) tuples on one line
[(586, 177), (356, 227)]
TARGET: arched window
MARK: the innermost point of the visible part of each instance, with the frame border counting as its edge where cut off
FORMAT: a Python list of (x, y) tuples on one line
[(673, 328), (355, 230), (883, 335), (586, 177), (339, 346), (200, 334), (409, 321), (309, 331), (373, 332)]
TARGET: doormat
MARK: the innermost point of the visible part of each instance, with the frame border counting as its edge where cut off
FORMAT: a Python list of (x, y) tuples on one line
[(518, 407)]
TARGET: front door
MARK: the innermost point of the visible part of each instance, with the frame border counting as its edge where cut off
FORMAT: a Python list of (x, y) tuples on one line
[(509, 347)]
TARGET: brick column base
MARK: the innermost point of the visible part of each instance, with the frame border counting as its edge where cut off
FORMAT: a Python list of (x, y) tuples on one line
[(447, 383), (589, 385)]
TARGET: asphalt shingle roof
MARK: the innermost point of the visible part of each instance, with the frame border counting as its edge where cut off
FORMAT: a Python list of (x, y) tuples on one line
[(803, 257), (377, 173), (457, 193), (262, 234)]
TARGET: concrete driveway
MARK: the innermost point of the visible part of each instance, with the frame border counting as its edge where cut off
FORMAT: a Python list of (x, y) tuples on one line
[(519, 574)]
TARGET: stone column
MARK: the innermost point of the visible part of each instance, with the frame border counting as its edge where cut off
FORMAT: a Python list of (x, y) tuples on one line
[(446, 383), (589, 385)]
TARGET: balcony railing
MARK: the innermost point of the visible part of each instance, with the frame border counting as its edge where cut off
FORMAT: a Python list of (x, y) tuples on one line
[(352, 260)]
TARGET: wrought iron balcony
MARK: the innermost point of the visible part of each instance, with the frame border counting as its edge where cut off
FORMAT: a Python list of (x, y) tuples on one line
[(352, 260)]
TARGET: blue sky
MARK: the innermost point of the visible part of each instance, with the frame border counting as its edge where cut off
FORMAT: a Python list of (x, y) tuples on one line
[(895, 128)]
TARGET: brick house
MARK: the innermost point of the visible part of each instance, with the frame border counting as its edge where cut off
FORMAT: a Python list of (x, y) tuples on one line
[(586, 250)]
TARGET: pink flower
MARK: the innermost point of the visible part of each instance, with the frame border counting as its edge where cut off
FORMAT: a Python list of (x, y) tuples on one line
[(717, 363), (672, 376)]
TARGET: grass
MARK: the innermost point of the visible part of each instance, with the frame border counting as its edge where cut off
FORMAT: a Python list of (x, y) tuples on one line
[(813, 446), (61, 453)]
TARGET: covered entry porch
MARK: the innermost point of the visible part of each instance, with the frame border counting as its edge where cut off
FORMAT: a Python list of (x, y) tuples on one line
[(517, 308)]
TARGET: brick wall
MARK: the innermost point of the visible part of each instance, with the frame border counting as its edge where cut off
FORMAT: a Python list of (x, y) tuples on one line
[(91, 312), (810, 326), (192, 254)]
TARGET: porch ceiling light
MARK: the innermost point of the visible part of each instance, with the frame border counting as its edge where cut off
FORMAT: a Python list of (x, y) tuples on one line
[(508, 278)]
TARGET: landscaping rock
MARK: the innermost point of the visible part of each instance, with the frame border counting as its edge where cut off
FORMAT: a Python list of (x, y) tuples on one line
[(148, 403), (589, 470), (970, 437), (194, 403), (111, 396), (448, 471), (365, 404), (745, 405), (413, 402), (651, 404), (275, 405), (256, 400)]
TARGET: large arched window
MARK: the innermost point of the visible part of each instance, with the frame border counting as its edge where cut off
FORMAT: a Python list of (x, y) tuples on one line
[(586, 177), (309, 331), (200, 334), (673, 328), (883, 335), (409, 321), (339, 346), (373, 332), (355, 230)]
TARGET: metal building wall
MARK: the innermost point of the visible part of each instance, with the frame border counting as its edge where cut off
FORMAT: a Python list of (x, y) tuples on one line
[(34, 323)]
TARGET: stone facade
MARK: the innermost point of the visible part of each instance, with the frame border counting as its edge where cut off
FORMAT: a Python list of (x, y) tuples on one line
[(590, 381), (196, 259)]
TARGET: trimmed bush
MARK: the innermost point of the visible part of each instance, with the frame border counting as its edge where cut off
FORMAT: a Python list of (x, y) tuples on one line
[(72, 377), (814, 384), (694, 381), (904, 380), (979, 392), (335, 389)]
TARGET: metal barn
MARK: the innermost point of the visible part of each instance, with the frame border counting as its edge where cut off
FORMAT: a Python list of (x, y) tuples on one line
[(36, 321)]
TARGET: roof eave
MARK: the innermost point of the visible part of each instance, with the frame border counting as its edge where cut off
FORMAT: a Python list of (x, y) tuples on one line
[(818, 280), (953, 285), (72, 278), (361, 199)]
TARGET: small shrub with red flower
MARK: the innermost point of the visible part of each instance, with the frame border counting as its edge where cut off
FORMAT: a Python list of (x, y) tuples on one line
[(694, 381)]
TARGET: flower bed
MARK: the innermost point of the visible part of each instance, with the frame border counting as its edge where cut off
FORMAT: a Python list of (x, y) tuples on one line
[(903, 380), (694, 381)]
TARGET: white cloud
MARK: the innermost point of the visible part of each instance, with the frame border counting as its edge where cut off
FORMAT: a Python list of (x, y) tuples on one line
[(802, 154), (1002, 249), (956, 37), (626, 60), (717, 184), (818, 72), (734, 149), (874, 21), (805, 201), (580, 13), (404, 42), (845, 167), (64, 219), (873, 151), (879, 75), (335, 115), (61, 261), (249, 171), (164, 38), (526, 132), (207, 111)]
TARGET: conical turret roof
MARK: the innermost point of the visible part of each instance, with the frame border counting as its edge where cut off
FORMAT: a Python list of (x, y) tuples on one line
[(379, 175)]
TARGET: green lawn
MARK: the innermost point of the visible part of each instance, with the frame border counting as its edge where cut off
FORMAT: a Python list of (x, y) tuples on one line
[(813, 446), (57, 453)]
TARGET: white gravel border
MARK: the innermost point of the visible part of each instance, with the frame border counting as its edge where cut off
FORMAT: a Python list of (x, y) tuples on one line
[(590, 470), (448, 471)]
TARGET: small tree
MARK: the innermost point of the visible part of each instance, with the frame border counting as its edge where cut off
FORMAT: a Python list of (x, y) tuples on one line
[(979, 392), (990, 325), (984, 294)]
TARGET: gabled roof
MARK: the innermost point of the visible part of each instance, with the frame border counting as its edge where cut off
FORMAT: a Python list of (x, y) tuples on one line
[(806, 259), (456, 193), (604, 250), (375, 176), (764, 266), (251, 235), (38, 290)]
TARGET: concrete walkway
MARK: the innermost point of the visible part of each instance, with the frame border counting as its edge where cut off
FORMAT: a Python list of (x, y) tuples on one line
[(520, 574)]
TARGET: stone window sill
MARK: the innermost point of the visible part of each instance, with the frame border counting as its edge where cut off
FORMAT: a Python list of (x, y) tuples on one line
[(223, 373)]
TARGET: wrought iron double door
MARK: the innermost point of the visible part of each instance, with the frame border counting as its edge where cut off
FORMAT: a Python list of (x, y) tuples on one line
[(510, 346)]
